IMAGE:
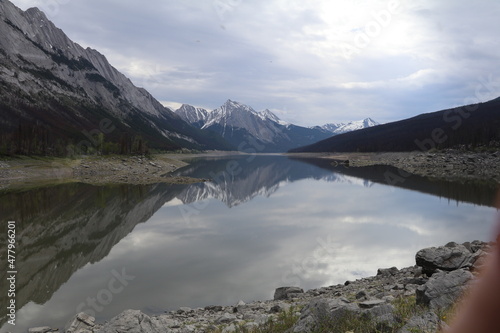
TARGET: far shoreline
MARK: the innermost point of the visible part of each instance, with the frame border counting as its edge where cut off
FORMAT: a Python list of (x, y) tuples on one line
[(22, 171), (450, 165)]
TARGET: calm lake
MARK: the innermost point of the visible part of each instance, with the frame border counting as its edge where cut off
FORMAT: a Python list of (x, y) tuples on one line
[(262, 222)]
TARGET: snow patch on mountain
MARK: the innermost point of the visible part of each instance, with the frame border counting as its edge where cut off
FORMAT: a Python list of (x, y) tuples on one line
[(269, 115), (339, 128), (235, 121), (193, 115), (264, 126)]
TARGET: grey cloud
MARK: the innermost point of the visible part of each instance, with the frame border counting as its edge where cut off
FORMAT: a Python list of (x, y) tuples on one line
[(281, 55)]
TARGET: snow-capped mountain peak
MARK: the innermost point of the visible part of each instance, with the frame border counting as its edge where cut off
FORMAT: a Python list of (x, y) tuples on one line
[(232, 113), (369, 122), (240, 124), (331, 127), (269, 115), (350, 126), (191, 114), (232, 106)]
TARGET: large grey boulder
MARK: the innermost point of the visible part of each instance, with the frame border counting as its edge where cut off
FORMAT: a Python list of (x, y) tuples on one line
[(450, 257), (427, 322), (371, 303), (225, 318), (328, 311), (287, 292), (383, 316), (131, 321), (81, 323), (443, 288), (319, 310), (387, 271)]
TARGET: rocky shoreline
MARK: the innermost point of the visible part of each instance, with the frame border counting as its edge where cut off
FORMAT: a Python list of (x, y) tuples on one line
[(452, 165), (130, 170), (22, 171), (412, 299)]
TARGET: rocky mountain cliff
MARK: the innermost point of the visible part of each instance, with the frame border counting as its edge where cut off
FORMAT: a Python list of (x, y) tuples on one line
[(195, 116), (248, 129), (55, 94), (240, 124)]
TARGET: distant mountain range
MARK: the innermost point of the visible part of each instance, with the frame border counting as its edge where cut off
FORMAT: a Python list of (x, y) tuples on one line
[(263, 131), (57, 98), (475, 125), (341, 128)]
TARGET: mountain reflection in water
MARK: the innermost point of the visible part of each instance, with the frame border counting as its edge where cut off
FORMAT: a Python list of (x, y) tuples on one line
[(262, 175), (70, 237), (62, 228)]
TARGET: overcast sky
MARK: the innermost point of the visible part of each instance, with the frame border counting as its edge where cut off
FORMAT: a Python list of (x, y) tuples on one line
[(311, 62)]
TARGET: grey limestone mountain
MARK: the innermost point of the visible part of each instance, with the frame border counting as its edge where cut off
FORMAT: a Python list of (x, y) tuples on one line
[(195, 116), (239, 123), (54, 87), (244, 127), (55, 94)]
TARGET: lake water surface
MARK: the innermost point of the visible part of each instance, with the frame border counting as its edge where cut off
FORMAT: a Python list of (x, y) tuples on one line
[(261, 223)]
